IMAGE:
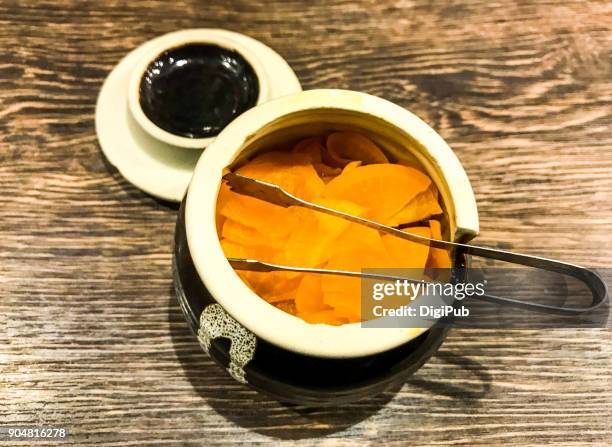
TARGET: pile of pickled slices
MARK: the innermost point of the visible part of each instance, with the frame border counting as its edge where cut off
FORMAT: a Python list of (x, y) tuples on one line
[(345, 171)]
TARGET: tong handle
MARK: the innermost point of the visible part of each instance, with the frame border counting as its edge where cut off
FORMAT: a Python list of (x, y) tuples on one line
[(275, 194)]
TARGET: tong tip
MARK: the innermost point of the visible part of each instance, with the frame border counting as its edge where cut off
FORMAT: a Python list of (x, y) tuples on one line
[(259, 189)]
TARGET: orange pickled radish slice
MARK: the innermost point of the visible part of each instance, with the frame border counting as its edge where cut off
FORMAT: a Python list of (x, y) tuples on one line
[(309, 295), (438, 258), (304, 247), (343, 293), (407, 254), (286, 306), (352, 165), (274, 286), (421, 207), (310, 244), (260, 215), (311, 148), (356, 235), (271, 286), (219, 221), (326, 172), (224, 195), (383, 189), (236, 232), (333, 224), (233, 249), (309, 302), (300, 180), (342, 147)]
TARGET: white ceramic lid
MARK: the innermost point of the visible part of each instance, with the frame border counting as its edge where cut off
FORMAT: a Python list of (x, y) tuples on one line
[(149, 162)]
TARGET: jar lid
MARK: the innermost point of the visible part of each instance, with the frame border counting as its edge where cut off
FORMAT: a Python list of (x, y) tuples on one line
[(166, 100)]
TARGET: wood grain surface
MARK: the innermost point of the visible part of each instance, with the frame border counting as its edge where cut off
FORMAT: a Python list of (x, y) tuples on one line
[(91, 335)]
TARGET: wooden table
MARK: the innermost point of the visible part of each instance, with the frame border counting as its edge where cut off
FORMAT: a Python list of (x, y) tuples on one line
[(92, 337)]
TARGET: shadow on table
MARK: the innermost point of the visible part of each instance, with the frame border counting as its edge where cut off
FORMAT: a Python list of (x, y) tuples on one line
[(463, 368), (250, 409)]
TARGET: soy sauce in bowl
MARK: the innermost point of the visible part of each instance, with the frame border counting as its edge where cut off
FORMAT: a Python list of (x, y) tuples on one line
[(195, 90)]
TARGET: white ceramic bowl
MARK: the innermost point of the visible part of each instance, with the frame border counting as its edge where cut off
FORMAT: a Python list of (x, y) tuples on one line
[(174, 40), (402, 134)]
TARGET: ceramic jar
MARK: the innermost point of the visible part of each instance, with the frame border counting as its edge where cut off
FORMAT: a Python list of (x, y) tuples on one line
[(262, 346)]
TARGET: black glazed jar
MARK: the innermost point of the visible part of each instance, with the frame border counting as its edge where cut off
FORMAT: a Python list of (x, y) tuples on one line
[(262, 346)]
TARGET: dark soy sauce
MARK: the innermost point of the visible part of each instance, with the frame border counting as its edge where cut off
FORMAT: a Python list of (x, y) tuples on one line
[(196, 90)]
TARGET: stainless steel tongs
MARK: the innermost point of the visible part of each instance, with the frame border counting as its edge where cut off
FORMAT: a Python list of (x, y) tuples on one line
[(274, 194)]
